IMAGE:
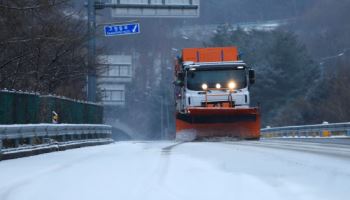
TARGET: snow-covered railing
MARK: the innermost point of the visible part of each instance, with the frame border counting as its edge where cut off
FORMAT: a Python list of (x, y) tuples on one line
[(318, 130), (29, 136)]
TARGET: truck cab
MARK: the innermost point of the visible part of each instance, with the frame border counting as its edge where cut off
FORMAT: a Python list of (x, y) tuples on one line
[(213, 84)]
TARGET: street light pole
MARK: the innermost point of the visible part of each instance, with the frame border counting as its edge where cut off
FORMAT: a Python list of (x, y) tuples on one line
[(91, 79), (161, 118), (161, 100), (326, 59)]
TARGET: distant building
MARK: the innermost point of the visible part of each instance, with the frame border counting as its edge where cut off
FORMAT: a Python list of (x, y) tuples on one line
[(115, 72)]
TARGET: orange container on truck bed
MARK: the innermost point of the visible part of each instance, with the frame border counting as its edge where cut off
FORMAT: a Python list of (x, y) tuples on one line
[(216, 54)]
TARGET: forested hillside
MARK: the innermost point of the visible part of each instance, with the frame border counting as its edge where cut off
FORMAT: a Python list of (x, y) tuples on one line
[(325, 30), (303, 67)]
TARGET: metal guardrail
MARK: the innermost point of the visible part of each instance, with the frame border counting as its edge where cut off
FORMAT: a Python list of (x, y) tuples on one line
[(318, 130), (14, 136)]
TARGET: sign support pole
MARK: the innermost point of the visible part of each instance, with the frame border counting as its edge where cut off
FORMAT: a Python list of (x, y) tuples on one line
[(91, 79)]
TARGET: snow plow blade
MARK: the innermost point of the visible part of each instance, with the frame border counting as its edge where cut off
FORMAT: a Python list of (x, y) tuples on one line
[(206, 123)]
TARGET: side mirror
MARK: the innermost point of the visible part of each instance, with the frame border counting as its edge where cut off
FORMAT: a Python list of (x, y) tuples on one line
[(251, 76), (181, 76), (180, 79), (179, 83), (240, 56)]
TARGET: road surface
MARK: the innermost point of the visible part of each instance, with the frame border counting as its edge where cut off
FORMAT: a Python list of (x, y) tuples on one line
[(271, 170)]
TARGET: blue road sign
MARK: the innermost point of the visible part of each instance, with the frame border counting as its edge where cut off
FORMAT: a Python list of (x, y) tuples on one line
[(122, 29)]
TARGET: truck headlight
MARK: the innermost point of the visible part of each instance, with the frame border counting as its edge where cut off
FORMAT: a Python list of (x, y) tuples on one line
[(204, 86), (218, 86), (232, 85)]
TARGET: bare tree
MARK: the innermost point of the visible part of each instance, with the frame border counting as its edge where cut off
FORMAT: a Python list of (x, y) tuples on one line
[(42, 47)]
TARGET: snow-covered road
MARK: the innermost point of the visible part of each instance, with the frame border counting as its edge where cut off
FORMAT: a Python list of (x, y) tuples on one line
[(269, 170)]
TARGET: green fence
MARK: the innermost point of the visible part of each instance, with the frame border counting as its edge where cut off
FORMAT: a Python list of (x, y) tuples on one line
[(25, 108), (70, 111), (18, 108)]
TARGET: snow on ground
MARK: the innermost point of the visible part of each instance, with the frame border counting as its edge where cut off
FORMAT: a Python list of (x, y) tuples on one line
[(142, 170)]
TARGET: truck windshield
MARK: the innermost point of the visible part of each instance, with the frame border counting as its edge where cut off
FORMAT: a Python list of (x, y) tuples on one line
[(196, 78)]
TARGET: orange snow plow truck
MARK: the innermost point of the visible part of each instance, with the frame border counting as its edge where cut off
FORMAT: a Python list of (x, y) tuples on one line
[(212, 95)]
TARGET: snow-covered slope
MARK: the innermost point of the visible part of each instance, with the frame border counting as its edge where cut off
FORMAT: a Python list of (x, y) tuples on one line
[(149, 171)]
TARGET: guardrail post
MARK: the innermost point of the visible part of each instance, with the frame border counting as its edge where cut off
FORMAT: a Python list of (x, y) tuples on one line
[(30, 141), (42, 140), (64, 138), (16, 143), (0, 146)]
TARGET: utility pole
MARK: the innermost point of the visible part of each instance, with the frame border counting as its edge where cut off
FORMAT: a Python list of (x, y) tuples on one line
[(91, 79), (295, 9)]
